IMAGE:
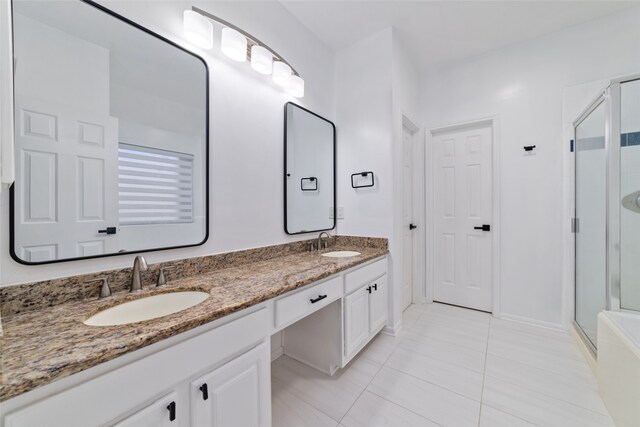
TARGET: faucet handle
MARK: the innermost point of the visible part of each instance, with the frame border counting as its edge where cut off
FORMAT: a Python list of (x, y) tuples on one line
[(162, 279), (105, 290)]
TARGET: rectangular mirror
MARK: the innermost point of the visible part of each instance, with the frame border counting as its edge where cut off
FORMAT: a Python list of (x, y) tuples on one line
[(310, 168), (111, 136)]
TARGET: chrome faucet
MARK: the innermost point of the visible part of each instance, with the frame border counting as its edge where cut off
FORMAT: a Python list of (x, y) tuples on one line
[(139, 264), (326, 245)]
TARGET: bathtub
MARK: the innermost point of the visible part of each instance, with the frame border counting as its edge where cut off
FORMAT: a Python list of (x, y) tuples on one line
[(619, 365)]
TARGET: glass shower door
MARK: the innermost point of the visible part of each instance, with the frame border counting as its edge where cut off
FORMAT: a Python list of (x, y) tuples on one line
[(630, 195), (591, 220)]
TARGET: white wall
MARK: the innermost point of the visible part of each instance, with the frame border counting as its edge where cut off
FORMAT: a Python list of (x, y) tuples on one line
[(79, 68), (246, 131), (406, 106), (365, 141), (523, 86), (376, 83)]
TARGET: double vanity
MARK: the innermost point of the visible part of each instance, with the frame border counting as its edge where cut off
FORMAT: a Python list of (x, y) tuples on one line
[(110, 163), (75, 363)]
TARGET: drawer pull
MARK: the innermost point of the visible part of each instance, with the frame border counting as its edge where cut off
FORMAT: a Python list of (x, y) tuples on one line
[(315, 300), (205, 391), (172, 411)]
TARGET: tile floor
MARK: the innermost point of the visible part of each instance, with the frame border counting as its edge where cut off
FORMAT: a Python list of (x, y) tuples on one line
[(449, 367)]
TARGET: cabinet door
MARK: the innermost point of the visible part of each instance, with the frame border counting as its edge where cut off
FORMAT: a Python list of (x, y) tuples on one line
[(356, 320), (235, 394), (161, 413), (378, 304)]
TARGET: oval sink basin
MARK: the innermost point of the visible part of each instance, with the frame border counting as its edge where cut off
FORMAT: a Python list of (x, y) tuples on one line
[(340, 254), (147, 308)]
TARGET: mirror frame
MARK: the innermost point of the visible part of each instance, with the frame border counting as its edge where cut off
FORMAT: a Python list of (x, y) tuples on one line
[(12, 206), (286, 230)]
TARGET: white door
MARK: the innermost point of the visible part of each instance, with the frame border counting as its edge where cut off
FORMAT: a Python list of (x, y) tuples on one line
[(161, 413), (407, 217), (67, 164), (356, 320), (236, 394), (462, 206), (378, 304)]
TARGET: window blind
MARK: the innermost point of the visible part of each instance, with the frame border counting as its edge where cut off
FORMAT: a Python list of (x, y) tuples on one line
[(154, 186)]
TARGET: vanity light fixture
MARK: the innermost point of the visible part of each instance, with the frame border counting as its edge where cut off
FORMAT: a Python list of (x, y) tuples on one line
[(296, 87), (234, 44), (281, 74), (261, 60), (240, 46), (198, 29)]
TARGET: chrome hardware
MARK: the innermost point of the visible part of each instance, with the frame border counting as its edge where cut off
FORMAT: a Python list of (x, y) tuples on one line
[(322, 242), (105, 290), (139, 264), (162, 279)]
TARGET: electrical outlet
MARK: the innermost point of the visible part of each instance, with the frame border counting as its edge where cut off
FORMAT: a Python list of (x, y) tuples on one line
[(340, 212), (330, 212)]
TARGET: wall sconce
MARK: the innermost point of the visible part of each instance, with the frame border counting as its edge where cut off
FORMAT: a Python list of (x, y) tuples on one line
[(240, 46)]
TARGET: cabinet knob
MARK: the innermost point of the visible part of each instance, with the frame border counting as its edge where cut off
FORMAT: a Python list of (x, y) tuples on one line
[(172, 411), (205, 391), (369, 289)]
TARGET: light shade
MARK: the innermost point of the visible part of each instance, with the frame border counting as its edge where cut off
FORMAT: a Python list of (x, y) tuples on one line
[(198, 29), (296, 88), (261, 60), (281, 74), (234, 44)]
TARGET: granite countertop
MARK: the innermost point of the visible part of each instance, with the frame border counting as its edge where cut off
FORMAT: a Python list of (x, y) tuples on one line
[(40, 346)]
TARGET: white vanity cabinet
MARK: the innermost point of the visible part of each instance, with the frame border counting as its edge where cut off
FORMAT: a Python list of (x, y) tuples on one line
[(378, 303), (154, 390), (356, 321), (236, 394), (218, 374), (365, 306), (161, 413)]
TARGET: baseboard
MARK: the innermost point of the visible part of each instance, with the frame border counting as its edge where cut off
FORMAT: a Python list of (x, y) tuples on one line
[(312, 365), (586, 352), (533, 322), (393, 331)]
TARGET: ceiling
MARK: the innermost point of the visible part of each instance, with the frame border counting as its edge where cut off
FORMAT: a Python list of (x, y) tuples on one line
[(437, 32)]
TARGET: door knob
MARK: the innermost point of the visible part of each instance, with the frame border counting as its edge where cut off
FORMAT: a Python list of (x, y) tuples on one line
[(412, 226), (108, 230), (485, 227)]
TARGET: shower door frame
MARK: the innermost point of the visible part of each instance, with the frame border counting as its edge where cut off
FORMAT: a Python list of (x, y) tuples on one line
[(611, 98), (615, 204), (602, 98)]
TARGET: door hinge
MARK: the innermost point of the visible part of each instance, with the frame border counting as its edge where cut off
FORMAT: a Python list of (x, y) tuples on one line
[(575, 225)]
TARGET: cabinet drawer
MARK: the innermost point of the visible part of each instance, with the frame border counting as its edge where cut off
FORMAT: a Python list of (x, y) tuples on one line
[(361, 276), (294, 307)]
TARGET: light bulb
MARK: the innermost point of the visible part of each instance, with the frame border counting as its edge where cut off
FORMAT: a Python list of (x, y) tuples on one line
[(296, 88), (234, 44), (281, 74), (261, 60), (198, 29)]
